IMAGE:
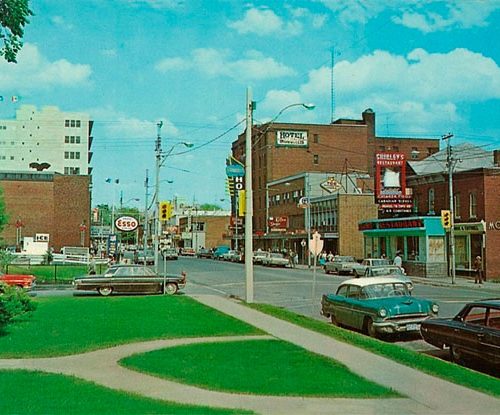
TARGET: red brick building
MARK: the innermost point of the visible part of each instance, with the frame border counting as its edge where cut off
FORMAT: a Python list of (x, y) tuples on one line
[(285, 149), (476, 205), (46, 203)]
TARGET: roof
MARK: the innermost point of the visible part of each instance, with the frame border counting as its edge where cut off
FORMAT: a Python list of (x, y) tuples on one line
[(471, 157), (495, 302), (363, 282)]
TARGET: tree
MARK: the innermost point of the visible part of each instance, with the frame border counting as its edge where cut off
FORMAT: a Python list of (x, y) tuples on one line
[(14, 16), (13, 303), (209, 207), (4, 219)]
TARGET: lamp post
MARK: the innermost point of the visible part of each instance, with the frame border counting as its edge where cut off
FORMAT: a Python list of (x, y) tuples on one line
[(160, 161), (115, 181), (249, 190)]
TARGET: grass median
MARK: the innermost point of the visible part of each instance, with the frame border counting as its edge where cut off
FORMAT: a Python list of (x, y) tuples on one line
[(428, 364)]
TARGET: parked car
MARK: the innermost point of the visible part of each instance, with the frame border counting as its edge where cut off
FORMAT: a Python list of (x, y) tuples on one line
[(26, 281), (473, 333), (391, 271), (219, 251), (359, 269), (341, 264), (377, 306), (131, 279), (170, 253), (188, 252), (228, 256), (238, 256), (258, 256), (204, 253), (275, 259), (146, 258)]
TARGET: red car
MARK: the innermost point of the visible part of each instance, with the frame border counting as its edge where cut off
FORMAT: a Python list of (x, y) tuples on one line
[(18, 280)]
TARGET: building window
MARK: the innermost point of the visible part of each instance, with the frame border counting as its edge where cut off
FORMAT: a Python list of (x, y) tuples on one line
[(431, 201), (66, 123), (316, 138), (472, 205), (78, 123), (77, 155), (77, 139), (66, 154), (456, 205), (316, 159), (66, 139), (414, 153), (395, 148)]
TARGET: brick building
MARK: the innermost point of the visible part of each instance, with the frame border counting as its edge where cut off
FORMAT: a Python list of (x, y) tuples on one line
[(46, 203), (476, 181), (284, 149), (204, 230)]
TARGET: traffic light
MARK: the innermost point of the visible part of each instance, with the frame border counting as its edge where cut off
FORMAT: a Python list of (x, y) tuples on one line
[(165, 211), (446, 220)]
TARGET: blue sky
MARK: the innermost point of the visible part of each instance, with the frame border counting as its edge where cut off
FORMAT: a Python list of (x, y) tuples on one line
[(426, 67)]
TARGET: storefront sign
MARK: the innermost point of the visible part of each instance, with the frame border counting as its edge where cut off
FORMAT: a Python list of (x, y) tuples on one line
[(494, 225), (278, 223), (291, 138), (394, 224), (390, 183), (331, 185)]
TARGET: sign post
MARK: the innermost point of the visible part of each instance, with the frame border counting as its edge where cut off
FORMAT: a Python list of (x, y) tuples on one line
[(315, 247)]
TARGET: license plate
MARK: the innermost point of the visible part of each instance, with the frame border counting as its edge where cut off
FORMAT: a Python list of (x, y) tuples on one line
[(412, 327)]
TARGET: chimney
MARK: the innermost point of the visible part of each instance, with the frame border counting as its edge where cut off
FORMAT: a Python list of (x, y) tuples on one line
[(496, 158)]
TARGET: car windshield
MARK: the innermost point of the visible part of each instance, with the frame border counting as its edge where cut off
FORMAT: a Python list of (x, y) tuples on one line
[(392, 289), (384, 271), (129, 271), (276, 256)]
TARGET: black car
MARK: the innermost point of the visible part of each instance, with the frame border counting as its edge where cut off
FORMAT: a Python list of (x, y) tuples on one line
[(473, 333)]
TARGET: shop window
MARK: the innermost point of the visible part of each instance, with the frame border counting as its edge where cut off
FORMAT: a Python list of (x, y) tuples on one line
[(472, 205), (412, 243), (431, 201)]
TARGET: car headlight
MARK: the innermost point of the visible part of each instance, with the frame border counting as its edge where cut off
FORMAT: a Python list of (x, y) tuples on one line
[(435, 308), (382, 312)]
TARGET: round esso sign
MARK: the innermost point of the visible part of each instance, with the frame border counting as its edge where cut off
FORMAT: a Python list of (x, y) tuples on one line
[(126, 223)]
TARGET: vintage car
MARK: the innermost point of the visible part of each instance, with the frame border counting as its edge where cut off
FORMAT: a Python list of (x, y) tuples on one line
[(473, 333), (204, 253), (228, 256), (145, 258), (131, 279), (237, 256), (359, 269), (188, 252), (170, 253), (389, 271), (340, 264), (258, 256), (377, 306), (25, 281), (275, 259)]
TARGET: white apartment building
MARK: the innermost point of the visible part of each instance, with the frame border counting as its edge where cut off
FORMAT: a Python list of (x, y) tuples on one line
[(48, 140)]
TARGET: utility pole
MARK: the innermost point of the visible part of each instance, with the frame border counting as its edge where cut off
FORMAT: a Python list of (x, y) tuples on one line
[(450, 164), (249, 199), (157, 190), (146, 217)]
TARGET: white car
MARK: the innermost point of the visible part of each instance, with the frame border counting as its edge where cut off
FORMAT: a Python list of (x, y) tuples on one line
[(359, 269), (275, 259), (341, 264)]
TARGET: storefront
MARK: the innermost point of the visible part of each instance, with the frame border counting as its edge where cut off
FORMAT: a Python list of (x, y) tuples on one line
[(421, 242), (469, 243)]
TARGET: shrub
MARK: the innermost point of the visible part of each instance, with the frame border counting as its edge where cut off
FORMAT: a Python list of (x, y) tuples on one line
[(13, 303)]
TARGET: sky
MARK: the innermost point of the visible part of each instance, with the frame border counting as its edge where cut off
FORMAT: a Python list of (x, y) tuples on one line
[(426, 67)]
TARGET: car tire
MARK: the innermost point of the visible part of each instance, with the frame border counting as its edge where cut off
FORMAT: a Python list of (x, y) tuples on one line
[(369, 329), (333, 319), (105, 291), (171, 288), (456, 355)]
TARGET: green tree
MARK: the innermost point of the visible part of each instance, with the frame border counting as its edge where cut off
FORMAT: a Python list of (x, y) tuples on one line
[(4, 218), (14, 16), (209, 207)]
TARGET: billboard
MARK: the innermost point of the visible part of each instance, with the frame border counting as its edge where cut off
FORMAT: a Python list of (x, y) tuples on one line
[(278, 223), (291, 138), (391, 193)]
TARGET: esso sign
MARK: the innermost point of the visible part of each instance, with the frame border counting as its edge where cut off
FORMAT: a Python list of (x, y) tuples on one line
[(126, 223)]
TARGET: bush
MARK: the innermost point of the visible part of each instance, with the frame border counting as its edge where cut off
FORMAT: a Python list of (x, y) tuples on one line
[(13, 303)]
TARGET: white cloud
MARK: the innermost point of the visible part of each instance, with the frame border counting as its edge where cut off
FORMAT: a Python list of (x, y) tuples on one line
[(421, 90), (215, 63), (264, 22), (34, 71), (60, 22), (155, 4), (438, 14)]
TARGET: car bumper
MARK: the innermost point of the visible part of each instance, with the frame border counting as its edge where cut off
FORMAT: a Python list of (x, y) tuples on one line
[(401, 326)]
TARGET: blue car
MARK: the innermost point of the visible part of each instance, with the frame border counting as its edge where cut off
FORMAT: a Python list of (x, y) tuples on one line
[(377, 306)]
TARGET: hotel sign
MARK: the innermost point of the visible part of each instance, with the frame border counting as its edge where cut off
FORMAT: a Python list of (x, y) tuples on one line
[(291, 138)]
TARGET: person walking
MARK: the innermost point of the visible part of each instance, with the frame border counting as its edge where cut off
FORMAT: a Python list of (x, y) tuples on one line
[(291, 259), (478, 268), (398, 261)]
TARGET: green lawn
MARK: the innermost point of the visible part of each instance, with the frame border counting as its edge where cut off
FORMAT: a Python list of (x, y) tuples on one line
[(43, 393), (267, 367), (431, 365), (68, 325)]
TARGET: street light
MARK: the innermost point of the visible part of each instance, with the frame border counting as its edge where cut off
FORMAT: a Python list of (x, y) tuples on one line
[(249, 191), (160, 161), (115, 181)]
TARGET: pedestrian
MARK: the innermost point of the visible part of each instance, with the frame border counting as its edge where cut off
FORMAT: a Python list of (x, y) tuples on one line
[(291, 258), (92, 266), (329, 256), (478, 268), (398, 261)]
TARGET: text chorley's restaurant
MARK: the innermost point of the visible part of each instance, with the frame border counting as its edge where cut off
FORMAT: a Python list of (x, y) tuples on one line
[(421, 242)]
